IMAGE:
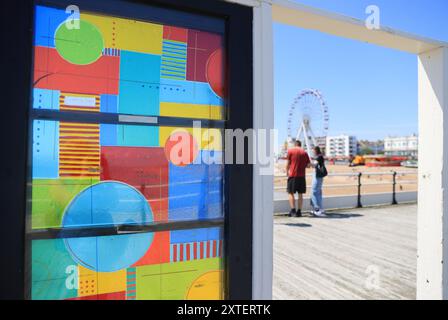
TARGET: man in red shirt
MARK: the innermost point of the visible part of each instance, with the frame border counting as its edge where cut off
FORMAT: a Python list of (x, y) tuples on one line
[(298, 161)]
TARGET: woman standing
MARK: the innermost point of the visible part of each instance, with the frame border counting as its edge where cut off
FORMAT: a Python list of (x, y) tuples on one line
[(318, 178)]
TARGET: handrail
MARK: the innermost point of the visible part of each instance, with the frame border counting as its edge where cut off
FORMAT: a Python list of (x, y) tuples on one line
[(355, 174), (360, 184)]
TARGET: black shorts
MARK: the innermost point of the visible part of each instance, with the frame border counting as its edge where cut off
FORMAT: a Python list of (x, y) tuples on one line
[(296, 185)]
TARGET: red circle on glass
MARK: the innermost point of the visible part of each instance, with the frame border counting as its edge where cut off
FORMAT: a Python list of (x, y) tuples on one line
[(215, 72)]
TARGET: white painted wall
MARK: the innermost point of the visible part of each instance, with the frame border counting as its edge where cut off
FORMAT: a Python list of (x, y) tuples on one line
[(263, 184), (432, 261)]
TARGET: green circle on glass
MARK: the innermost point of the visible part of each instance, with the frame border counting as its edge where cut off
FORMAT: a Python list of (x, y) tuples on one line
[(82, 45)]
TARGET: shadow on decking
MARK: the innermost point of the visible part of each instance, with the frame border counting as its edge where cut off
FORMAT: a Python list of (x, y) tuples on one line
[(339, 216), (302, 225), (328, 216)]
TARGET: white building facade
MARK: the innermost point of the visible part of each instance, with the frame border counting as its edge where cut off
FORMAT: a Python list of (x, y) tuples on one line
[(321, 142), (401, 146), (341, 146)]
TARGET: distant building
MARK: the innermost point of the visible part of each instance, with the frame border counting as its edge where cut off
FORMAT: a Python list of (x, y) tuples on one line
[(321, 142), (401, 146), (366, 147), (341, 146)]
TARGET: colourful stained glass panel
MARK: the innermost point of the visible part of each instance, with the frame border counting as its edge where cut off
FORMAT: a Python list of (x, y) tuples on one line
[(126, 66), (99, 173), (138, 266)]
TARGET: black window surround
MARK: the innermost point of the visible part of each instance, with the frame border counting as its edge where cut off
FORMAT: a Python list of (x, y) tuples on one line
[(234, 21)]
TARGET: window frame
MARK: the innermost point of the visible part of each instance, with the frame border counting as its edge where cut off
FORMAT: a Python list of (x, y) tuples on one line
[(238, 178)]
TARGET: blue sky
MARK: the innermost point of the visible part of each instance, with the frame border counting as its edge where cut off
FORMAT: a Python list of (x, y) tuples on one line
[(371, 91)]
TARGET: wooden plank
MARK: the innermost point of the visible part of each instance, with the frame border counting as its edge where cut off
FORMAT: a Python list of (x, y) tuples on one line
[(299, 15), (329, 258)]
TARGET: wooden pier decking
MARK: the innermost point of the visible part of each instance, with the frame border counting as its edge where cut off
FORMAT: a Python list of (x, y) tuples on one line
[(366, 253)]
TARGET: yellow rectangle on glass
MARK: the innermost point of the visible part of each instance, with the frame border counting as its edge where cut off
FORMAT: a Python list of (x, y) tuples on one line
[(130, 35), (190, 110)]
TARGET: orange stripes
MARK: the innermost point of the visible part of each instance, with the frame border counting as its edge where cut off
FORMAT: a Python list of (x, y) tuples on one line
[(79, 150)]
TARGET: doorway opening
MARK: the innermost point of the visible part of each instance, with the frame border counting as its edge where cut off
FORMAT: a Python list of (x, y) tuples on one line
[(358, 103)]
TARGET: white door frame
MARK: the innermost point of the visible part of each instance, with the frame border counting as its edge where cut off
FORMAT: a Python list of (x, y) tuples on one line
[(432, 272)]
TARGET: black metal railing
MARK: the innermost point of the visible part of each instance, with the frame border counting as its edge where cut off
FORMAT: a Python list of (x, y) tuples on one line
[(360, 185)]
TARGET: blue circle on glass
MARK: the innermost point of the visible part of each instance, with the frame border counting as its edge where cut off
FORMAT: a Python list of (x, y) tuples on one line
[(108, 204)]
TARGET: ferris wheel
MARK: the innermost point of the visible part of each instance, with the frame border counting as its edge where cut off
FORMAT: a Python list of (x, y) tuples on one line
[(308, 118)]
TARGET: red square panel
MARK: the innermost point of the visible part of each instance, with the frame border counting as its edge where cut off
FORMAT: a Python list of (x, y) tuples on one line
[(201, 45), (146, 169), (175, 34), (159, 252), (52, 72)]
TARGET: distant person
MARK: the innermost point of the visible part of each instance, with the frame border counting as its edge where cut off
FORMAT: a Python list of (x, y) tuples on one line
[(298, 161), (320, 173)]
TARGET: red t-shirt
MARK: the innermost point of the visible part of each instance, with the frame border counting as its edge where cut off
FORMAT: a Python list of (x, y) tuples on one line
[(299, 161)]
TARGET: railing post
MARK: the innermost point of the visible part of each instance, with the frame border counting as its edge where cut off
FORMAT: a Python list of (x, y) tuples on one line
[(394, 185), (359, 190)]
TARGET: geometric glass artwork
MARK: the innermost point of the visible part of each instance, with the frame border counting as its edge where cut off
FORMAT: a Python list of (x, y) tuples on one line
[(97, 173), (181, 270)]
